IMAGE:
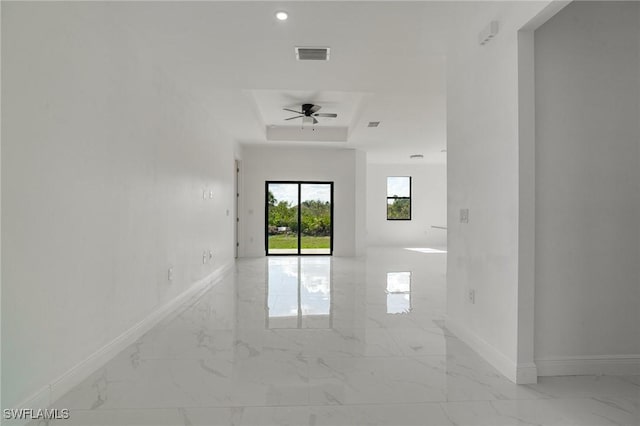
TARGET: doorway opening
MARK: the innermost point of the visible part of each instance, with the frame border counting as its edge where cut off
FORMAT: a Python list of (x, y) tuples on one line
[(298, 218)]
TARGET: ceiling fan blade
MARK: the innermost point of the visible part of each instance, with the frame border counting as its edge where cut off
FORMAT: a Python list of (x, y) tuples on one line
[(297, 116), (315, 121), (315, 108), (330, 115), (290, 110)]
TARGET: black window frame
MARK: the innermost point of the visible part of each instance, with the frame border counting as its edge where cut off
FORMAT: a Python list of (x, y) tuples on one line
[(400, 198)]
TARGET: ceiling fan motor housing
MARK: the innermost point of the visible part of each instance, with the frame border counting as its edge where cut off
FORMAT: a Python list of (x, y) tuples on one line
[(309, 109)]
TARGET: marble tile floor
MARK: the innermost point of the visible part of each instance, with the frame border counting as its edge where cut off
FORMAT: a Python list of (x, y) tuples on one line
[(329, 341)]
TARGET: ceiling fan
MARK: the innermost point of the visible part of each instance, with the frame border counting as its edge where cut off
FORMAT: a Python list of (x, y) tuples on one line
[(309, 113)]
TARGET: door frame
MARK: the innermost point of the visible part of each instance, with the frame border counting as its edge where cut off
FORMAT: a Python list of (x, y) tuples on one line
[(266, 216), (236, 208)]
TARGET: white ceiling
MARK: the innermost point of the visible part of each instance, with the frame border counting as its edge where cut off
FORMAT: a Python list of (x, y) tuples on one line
[(387, 64)]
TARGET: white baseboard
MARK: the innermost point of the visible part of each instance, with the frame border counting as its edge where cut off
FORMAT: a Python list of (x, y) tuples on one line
[(558, 366), (526, 373), (589, 365), (517, 373), (48, 394)]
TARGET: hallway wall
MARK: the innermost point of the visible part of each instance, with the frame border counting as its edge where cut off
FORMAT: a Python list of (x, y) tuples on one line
[(588, 190), (344, 167), (104, 162), (483, 177), (428, 206)]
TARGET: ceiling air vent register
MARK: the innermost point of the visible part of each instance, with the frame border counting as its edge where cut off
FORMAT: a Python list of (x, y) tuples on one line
[(312, 53)]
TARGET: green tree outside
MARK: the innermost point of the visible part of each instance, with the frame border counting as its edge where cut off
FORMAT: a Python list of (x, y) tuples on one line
[(315, 223), (398, 208)]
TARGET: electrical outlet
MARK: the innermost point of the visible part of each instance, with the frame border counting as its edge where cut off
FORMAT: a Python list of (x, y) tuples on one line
[(464, 215), (210, 255), (170, 274), (210, 194), (471, 295)]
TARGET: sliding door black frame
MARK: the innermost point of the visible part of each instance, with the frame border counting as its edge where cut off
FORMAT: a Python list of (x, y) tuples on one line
[(266, 216)]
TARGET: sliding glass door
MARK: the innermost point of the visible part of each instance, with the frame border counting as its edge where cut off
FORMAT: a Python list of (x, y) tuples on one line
[(299, 218)]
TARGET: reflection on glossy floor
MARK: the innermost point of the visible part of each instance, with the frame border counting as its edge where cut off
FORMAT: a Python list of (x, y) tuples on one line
[(329, 341)]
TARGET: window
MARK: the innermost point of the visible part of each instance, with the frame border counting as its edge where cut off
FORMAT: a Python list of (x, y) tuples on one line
[(399, 198)]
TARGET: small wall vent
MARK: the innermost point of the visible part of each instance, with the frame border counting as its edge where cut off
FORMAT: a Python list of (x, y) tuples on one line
[(312, 53), (373, 124)]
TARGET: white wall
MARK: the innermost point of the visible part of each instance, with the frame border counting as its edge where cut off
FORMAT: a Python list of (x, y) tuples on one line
[(1, 405), (340, 166), (483, 176), (104, 163), (588, 189), (428, 205)]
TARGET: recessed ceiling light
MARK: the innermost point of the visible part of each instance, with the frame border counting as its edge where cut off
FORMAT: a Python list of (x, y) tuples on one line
[(282, 16), (416, 156)]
